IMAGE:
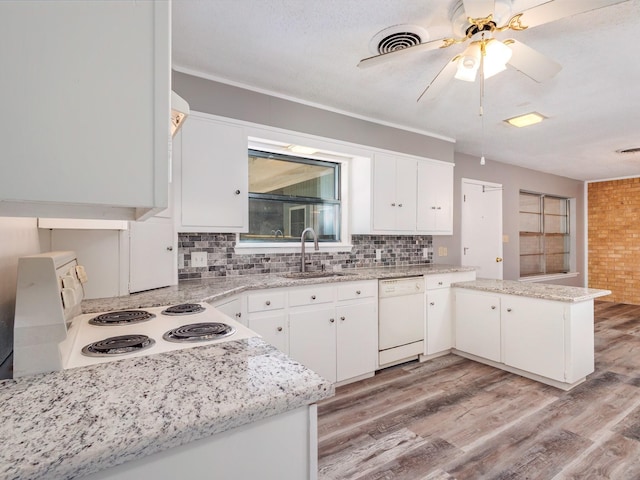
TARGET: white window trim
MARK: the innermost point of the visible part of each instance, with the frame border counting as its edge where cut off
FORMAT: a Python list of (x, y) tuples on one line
[(325, 154), (544, 278)]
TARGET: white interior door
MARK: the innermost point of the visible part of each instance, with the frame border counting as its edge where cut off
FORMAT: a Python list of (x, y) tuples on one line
[(481, 231)]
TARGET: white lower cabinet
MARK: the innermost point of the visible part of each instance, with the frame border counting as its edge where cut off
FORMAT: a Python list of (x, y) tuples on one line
[(549, 341), (232, 307), (356, 340), (477, 325), (330, 328), (534, 336), (439, 302), (273, 328), (312, 340)]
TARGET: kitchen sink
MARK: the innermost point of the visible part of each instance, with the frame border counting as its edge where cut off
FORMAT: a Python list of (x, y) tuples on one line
[(303, 275)]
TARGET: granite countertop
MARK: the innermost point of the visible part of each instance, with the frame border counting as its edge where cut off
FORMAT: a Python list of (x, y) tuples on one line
[(535, 290), (217, 288), (78, 421)]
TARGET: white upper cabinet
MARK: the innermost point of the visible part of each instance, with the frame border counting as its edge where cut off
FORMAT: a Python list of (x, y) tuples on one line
[(213, 178), (394, 200), (401, 194), (435, 198), (86, 96)]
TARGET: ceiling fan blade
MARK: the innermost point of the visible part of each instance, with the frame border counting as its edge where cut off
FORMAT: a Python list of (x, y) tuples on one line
[(531, 62), (421, 47), (442, 79), (555, 10), (478, 8)]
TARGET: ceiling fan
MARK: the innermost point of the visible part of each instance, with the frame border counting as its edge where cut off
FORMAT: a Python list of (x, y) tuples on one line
[(476, 21)]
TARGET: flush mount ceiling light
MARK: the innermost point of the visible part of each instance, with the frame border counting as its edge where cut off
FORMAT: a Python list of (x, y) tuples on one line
[(302, 150), (525, 120)]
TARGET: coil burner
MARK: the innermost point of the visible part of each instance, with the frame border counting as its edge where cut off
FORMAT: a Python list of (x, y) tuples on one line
[(199, 332), (124, 317), (120, 345), (184, 309)]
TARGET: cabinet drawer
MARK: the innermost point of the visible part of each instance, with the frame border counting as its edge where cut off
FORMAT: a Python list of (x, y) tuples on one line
[(438, 281), (263, 302), (311, 296), (352, 291)]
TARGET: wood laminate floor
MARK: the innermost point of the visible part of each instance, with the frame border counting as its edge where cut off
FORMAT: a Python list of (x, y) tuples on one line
[(452, 418)]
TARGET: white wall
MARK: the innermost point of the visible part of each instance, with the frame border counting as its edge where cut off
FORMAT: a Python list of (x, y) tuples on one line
[(513, 179), (18, 237)]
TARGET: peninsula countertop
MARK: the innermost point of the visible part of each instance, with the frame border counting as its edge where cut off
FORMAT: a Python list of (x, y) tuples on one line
[(74, 422), (543, 291), (217, 288)]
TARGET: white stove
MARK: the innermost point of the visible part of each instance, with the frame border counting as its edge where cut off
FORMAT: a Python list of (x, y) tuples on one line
[(51, 334)]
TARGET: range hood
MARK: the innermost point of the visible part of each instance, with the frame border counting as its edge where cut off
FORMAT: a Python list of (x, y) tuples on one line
[(179, 111)]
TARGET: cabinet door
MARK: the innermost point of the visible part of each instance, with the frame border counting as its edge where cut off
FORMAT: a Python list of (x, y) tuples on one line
[(232, 307), (406, 194), (435, 198), (439, 321), (273, 329), (477, 324), (357, 340), (312, 340), (534, 336), (152, 255), (89, 125), (214, 176), (384, 193)]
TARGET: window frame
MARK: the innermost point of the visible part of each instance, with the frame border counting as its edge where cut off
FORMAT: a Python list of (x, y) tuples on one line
[(568, 235), (340, 178)]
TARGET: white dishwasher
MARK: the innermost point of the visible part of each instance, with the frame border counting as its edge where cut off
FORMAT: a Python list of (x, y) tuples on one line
[(401, 320)]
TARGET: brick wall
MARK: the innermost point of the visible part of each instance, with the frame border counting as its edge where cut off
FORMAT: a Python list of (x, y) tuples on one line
[(614, 238), (222, 260)]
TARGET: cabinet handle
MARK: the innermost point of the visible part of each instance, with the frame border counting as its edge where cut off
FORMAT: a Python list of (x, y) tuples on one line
[(439, 283), (332, 320), (493, 307), (267, 303), (399, 204), (342, 318), (508, 309), (169, 248), (358, 292), (239, 314), (393, 204), (432, 303), (279, 329), (433, 208), (237, 192), (439, 208), (313, 297)]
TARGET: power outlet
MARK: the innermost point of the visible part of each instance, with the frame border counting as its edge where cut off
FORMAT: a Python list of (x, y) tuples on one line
[(378, 254), (425, 252), (442, 251), (198, 259)]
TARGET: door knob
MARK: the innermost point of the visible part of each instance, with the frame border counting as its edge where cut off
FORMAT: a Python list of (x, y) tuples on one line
[(498, 259), (237, 192), (169, 248)]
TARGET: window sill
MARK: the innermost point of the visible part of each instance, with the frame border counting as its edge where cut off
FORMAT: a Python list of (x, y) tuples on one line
[(270, 248), (544, 278)]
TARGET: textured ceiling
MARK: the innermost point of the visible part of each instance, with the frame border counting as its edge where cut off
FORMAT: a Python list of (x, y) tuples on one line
[(307, 50)]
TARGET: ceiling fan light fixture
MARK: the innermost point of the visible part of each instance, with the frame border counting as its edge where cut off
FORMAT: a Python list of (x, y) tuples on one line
[(525, 120), (496, 57), (468, 63)]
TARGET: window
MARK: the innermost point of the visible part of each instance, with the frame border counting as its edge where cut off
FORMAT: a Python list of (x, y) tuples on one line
[(288, 194), (544, 234)]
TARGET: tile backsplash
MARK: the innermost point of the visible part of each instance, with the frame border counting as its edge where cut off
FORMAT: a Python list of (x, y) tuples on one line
[(397, 250)]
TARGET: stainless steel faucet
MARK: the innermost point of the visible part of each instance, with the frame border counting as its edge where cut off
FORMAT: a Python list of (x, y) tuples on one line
[(303, 266)]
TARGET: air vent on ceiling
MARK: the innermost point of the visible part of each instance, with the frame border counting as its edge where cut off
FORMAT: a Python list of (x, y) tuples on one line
[(396, 38), (629, 150), (398, 41)]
